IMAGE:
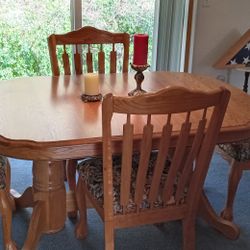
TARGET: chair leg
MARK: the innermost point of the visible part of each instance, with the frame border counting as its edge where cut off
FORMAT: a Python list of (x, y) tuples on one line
[(81, 226), (6, 207), (188, 230), (233, 181), (109, 235), (6, 212), (71, 179)]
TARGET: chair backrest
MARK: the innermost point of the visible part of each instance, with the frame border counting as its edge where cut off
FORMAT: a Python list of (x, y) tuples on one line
[(198, 116), (87, 38)]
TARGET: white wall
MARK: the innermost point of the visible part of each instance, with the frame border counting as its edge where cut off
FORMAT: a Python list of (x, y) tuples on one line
[(219, 24)]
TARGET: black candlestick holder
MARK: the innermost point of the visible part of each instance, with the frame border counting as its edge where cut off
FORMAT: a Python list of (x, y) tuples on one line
[(139, 77)]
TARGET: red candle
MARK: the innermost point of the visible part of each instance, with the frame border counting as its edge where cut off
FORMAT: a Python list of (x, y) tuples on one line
[(140, 49)]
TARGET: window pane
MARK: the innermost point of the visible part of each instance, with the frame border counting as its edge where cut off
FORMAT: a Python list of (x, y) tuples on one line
[(129, 16), (24, 28)]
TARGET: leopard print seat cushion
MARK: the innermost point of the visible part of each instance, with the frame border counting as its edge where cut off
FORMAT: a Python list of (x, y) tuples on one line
[(3, 164), (239, 151), (90, 169)]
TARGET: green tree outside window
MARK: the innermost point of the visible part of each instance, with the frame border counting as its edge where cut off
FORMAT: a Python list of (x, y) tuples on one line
[(26, 24)]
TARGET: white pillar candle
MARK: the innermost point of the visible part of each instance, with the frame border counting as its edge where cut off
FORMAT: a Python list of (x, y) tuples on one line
[(91, 83)]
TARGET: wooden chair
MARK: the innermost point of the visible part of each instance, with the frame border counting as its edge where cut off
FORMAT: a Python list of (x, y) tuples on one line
[(93, 41), (239, 156), (134, 188), (89, 38), (6, 204)]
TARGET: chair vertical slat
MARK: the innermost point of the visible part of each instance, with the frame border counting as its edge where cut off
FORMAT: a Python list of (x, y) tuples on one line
[(177, 160), (125, 55), (89, 59), (160, 162), (107, 157), (188, 167), (113, 60), (52, 44), (143, 162), (101, 61), (65, 58), (78, 62), (127, 150)]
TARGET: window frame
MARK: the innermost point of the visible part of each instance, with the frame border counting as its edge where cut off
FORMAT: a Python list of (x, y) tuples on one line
[(76, 14)]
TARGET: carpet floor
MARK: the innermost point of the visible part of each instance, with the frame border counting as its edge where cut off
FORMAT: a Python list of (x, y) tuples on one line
[(167, 236)]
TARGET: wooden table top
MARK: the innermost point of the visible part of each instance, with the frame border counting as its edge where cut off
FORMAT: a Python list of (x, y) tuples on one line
[(45, 118)]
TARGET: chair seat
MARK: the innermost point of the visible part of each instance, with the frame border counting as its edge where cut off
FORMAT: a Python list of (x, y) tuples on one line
[(91, 170), (3, 164), (239, 151)]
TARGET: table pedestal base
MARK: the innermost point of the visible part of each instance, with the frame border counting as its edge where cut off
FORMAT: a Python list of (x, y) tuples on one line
[(48, 199)]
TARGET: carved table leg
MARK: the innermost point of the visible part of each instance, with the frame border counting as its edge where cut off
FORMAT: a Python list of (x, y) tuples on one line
[(233, 181), (227, 228), (71, 178), (81, 226), (24, 200), (49, 195)]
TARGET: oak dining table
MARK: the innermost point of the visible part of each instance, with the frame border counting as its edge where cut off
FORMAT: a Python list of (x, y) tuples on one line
[(43, 119)]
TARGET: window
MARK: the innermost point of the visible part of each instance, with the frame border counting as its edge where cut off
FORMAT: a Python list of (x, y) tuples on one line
[(26, 24)]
